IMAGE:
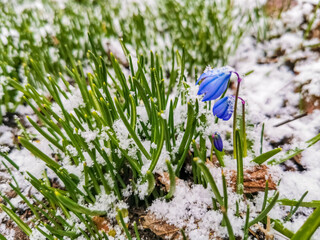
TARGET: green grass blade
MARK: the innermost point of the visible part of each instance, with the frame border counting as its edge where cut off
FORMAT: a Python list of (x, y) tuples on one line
[(151, 182), (309, 226), (296, 207), (292, 203), (210, 180), (24, 227), (172, 178), (239, 164), (265, 156), (34, 150), (131, 131), (73, 206), (246, 225), (264, 213)]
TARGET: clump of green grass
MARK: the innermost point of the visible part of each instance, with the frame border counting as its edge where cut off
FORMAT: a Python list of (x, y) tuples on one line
[(88, 136), (50, 32)]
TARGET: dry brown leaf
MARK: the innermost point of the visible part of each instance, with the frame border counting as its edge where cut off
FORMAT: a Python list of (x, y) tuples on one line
[(164, 179), (19, 234), (275, 7), (214, 162), (254, 179), (315, 32), (210, 164), (310, 103), (160, 227), (55, 41), (101, 223), (11, 194), (297, 158)]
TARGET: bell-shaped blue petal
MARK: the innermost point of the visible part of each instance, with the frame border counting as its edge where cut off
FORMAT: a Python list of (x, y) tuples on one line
[(223, 108), (217, 142), (216, 88), (214, 73), (202, 77), (207, 83), (214, 82)]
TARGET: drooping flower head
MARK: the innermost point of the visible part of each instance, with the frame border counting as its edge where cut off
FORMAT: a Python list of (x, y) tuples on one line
[(214, 82), (217, 141), (223, 108)]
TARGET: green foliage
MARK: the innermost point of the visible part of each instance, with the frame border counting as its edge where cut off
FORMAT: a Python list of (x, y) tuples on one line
[(53, 34)]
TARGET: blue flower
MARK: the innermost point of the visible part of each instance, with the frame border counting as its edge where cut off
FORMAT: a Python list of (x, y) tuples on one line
[(223, 108), (214, 83), (217, 142)]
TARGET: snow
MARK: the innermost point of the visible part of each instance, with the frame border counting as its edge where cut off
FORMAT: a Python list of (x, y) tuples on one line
[(6, 136)]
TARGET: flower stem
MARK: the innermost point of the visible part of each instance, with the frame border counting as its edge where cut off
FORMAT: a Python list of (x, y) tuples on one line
[(239, 158), (244, 134), (235, 118)]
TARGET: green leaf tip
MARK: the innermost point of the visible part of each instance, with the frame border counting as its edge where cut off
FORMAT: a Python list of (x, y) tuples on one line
[(265, 156)]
